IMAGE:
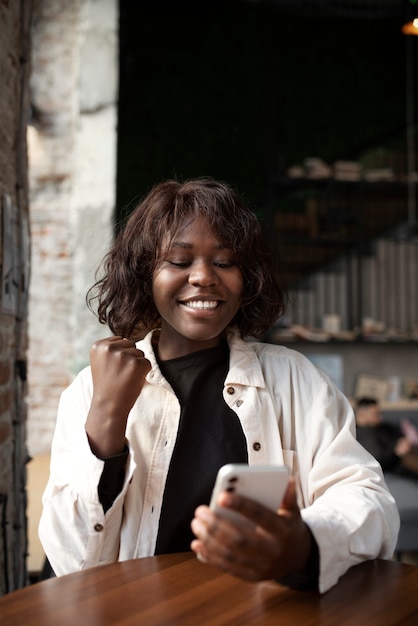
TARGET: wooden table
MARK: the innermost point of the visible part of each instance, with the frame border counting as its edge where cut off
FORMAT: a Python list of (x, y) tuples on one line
[(178, 589)]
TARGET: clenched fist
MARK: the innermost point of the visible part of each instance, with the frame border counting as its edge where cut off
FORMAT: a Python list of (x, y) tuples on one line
[(118, 370)]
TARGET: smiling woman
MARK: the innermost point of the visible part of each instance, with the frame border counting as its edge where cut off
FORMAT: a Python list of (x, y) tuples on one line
[(143, 431)]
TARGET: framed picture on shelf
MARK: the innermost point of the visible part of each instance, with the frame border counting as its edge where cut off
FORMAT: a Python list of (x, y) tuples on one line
[(411, 388), (371, 386)]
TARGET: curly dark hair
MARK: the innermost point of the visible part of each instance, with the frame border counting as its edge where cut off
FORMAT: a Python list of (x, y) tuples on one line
[(124, 293)]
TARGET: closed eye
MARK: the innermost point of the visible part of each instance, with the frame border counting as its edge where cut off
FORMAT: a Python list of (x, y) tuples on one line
[(220, 264), (178, 263)]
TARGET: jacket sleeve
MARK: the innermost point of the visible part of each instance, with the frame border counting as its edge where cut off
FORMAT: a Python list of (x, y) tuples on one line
[(347, 507), (74, 530)]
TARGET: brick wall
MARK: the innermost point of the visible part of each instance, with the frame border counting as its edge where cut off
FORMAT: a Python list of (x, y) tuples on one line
[(55, 73), (72, 174), (63, 57), (14, 72)]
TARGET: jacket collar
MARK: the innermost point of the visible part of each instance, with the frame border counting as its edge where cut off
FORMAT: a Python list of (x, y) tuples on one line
[(245, 368)]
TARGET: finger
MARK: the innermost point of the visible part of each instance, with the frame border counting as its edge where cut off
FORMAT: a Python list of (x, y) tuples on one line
[(122, 343), (252, 510), (232, 558), (216, 532), (118, 347), (130, 348)]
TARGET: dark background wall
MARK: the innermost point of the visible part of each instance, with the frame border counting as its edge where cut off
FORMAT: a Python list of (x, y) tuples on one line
[(240, 90), (15, 19)]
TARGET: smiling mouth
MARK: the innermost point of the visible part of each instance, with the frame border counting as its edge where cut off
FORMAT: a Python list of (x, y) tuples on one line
[(202, 305)]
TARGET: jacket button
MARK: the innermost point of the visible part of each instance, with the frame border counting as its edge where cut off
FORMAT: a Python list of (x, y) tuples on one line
[(230, 390), (239, 402), (257, 446), (98, 528)]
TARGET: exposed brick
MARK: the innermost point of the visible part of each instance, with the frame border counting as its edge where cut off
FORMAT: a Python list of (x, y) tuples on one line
[(5, 371), (72, 184), (6, 399), (5, 431)]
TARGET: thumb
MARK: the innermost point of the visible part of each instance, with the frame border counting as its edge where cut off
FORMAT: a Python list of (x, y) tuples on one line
[(289, 502)]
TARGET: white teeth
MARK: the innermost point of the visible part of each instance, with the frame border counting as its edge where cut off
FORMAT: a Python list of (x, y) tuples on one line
[(201, 304)]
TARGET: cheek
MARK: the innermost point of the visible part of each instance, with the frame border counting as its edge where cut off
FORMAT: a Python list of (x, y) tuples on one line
[(165, 285)]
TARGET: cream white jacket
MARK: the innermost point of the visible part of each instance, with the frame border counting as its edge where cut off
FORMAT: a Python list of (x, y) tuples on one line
[(290, 413)]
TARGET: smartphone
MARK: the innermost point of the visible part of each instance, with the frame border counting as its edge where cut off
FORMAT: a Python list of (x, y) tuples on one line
[(265, 484)]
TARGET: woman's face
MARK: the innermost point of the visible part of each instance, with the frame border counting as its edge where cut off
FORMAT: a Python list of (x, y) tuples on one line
[(197, 290)]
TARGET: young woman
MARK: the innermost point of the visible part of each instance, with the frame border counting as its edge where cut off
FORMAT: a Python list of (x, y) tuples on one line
[(182, 388)]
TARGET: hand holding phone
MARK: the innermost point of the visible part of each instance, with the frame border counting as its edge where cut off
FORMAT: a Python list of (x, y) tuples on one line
[(265, 484)]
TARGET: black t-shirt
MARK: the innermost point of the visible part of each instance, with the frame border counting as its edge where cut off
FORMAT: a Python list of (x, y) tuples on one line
[(209, 436)]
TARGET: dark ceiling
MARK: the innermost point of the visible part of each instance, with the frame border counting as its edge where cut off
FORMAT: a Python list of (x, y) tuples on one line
[(238, 90), (348, 8)]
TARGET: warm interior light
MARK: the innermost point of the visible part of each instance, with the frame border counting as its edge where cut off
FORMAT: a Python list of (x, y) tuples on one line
[(411, 28)]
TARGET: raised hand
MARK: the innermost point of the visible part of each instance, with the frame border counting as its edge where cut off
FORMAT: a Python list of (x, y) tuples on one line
[(118, 371)]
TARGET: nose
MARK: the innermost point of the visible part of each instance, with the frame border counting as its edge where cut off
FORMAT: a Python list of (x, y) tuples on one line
[(203, 274)]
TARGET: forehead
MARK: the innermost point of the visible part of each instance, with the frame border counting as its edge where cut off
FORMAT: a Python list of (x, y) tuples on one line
[(194, 230)]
